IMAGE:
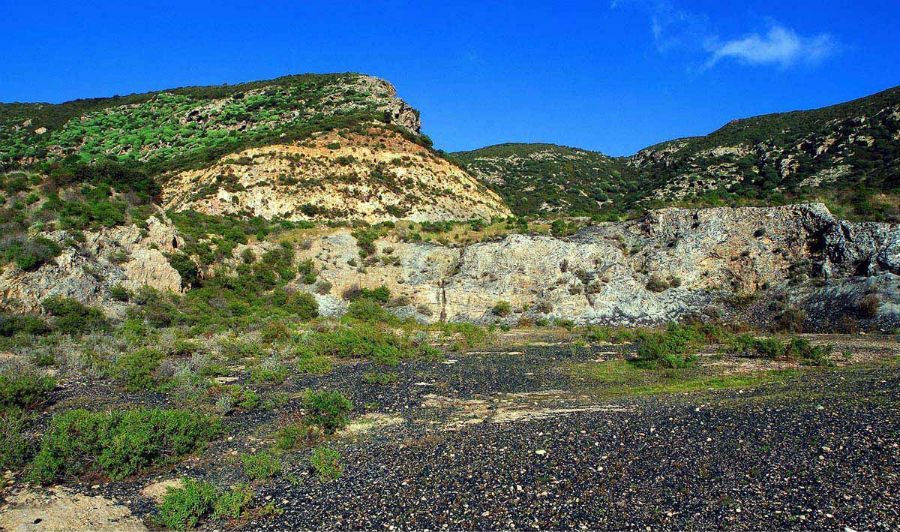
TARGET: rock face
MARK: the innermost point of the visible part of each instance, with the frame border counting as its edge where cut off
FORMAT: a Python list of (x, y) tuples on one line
[(122, 255), (758, 265), (342, 175), (671, 264)]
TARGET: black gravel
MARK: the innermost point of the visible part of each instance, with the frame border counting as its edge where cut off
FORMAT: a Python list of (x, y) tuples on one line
[(822, 454)]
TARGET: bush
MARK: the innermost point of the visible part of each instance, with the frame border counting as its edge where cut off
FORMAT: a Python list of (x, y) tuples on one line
[(118, 444), (748, 345), (808, 354), (314, 365), (29, 254), (667, 349), (269, 370), (11, 324), (260, 466), (119, 293), (367, 310), (21, 389), (72, 317), (501, 309), (183, 508), (326, 463), (329, 410), (14, 446), (232, 503), (302, 304), (381, 294), (186, 268), (307, 271), (135, 369), (292, 436), (380, 377)]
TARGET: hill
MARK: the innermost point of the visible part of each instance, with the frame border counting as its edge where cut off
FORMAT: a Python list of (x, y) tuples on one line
[(847, 155), (253, 149), (546, 178)]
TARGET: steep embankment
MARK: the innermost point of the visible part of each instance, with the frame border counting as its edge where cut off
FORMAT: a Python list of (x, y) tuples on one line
[(375, 176)]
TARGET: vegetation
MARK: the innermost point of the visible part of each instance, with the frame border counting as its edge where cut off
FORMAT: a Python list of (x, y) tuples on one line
[(21, 388), (183, 508), (118, 444), (260, 466), (329, 410), (326, 463)]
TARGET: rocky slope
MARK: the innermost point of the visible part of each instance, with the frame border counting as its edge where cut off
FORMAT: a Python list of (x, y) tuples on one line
[(549, 179), (848, 154), (793, 267), (376, 176), (193, 125)]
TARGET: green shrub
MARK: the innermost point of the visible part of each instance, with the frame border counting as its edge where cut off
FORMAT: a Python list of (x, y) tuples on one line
[(72, 317), (11, 324), (183, 508), (135, 369), (14, 445), (314, 365), (665, 349), (807, 353), (367, 310), (294, 435), (302, 304), (29, 254), (501, 309), (326, 463), (749, 345), (260, 466), (186, 268), (382, 294), (231, 504), (21, 388), (119, 293), (119, 443), (307, 271), (329, 410), (269, 370)]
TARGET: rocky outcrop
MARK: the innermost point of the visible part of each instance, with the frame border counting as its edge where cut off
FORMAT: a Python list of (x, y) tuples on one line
[(124, 255), (758, 265), (671, 264)]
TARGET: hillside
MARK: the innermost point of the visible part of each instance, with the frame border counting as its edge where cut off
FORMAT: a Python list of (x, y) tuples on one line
[(376, 176), (193, 125), (307, 147), (847, 155), (545, 178)]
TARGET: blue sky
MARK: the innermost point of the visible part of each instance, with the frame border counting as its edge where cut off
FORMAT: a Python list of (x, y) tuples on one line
[(613, 76)]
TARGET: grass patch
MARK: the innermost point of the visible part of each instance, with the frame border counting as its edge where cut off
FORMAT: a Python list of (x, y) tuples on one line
[(617, 378), (22, 388), (261, 466)]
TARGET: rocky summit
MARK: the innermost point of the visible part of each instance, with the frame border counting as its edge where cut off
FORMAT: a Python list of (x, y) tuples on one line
[(275, 305)]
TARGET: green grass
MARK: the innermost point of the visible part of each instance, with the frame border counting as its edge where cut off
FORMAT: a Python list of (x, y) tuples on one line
[(185, 507), (261, 466), (616, 378)]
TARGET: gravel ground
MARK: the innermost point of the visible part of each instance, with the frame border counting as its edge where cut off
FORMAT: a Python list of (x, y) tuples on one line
[(816, 452), (821, 454)]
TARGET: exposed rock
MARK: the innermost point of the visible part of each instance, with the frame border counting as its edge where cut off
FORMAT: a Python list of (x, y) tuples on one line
[(605, 274), (63, 510), (158, 490), (382, 176)]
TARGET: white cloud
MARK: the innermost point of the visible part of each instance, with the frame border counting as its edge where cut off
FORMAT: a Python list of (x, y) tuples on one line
[(676, 28), (779, 46)]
